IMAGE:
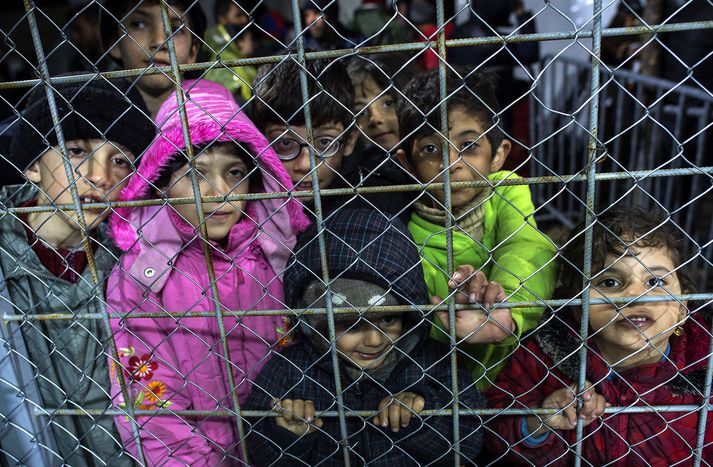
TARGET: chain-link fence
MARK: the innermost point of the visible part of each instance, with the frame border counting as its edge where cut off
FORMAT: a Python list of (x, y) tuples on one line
[(244, 233)]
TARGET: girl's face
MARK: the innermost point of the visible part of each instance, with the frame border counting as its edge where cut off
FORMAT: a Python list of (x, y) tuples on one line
[(377, 120), (220, 172), (619, 332)]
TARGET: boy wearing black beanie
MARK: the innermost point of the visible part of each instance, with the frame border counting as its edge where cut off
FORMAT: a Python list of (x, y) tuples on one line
[(387, 363), (106, 128)]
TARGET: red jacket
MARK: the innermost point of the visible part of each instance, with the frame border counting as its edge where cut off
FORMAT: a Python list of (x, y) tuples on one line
[(550, 362)]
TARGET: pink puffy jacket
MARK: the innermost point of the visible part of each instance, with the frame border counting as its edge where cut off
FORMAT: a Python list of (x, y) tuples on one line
[(178, 363)]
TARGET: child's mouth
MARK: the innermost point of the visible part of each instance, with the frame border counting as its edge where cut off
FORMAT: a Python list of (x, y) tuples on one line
[(371, 356), (217, 215), (636, 321), (90, 200)]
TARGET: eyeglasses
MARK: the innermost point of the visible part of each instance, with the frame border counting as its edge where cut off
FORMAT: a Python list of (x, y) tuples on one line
[(289, 148)]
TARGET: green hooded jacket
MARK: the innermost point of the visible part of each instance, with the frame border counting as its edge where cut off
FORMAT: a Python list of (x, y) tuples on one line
[(67, 357), (512, 252), (239, 80)]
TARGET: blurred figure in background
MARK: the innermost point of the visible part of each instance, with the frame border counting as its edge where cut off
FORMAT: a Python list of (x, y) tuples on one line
[(81, 50), (322, 29), (232, 38)]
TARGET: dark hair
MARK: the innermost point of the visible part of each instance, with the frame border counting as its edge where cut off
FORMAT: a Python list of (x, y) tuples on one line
[(90, 11), (179, 160), (475, 92), (278, 98), (222, 7), (615, 231), (113, 11), (385, 71)]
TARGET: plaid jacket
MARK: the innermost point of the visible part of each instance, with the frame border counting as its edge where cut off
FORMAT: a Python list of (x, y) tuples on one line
[(300, 372)]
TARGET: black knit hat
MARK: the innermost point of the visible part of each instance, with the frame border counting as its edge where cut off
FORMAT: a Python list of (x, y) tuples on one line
[(360, 244), (99, 109), (114, 11)]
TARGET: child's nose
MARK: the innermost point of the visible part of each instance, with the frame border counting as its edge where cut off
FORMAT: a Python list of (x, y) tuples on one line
[(158, 36), (302, 161), (96, 173), (373, 337), (454, 159), (375, 117), (217, 187)]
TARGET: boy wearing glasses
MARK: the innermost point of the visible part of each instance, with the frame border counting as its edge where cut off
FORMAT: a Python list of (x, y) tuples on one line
[(496, 243), (277, 110)]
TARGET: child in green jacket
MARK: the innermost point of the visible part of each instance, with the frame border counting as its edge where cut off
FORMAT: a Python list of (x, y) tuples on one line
[(498, 253)]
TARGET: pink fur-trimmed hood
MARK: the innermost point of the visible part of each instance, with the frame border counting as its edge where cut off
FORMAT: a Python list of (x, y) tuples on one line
[(213, 115)]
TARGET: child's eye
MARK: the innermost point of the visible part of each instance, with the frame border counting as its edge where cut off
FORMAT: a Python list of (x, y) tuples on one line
[(120, 162), (609, 283), (322, 143), (236, 173), (75, 151), (469, 146), (285, 144), (430, 149), (389, 102), (656, 282), (136, 24), (387, 320)]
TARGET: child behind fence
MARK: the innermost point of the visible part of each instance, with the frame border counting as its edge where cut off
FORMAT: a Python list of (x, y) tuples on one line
[(43, 260), (640, 354), (377, 84), (133, 35), (495, 238), (277, 109), (175, 361), (387, 364)]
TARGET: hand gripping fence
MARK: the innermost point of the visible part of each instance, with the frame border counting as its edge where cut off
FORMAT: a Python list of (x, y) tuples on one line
[(613, 113)]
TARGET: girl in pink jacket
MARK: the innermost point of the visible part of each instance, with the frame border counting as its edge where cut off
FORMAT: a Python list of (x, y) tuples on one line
[(177, 362)]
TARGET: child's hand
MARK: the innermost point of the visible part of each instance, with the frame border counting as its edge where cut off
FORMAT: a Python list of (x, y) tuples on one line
[(297, 416), (397, 410), (593, 406), (473, 325)]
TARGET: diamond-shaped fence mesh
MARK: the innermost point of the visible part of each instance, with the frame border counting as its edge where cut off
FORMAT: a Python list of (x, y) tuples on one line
[(324, 232)]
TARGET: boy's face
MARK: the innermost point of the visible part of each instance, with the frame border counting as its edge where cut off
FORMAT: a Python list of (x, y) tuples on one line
[(101, 169), (146, 44), (235, 16), (220, 172), (315, 21), (624, 331), (283, 139), (378, 120), (366, 342), (471, 156)]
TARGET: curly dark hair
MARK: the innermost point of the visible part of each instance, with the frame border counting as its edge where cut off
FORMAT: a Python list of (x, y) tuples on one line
[(278, 98), (475, 92), (615, 231)]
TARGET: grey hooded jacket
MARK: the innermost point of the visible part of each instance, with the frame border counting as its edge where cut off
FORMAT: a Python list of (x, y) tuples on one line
[(67, 358)]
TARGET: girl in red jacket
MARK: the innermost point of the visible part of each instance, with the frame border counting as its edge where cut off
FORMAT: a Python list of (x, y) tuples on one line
[(644, 354)]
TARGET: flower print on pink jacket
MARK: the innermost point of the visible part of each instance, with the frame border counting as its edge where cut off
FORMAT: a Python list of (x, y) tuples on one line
[(178, 363)]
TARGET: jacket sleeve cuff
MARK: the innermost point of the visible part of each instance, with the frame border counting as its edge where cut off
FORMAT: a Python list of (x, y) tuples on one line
[(288, 440), (528, 439)]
